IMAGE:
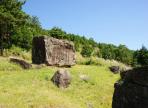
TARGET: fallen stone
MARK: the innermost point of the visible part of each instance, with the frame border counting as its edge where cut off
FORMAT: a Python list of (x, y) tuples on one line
[(22, 63), (61, 78), (131, 91)]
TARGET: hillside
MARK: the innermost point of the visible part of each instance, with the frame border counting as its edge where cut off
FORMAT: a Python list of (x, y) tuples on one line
[(33, 88), (19, 28)]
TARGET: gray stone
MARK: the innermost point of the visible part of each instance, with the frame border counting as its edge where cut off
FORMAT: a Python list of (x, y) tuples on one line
[(114, 69), (131, 91), (22, 63), (61, 78), (53, 52)]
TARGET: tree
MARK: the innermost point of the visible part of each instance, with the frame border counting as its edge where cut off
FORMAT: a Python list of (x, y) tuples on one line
[(86, 51), (97, 52), (34, 25), (92, 42), (107, 50), (123, 54), (23, 38), (23, 35), (11, 17), (57, 33), (142, 56)]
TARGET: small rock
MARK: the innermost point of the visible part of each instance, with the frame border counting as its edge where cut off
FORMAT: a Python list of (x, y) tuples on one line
[(40, 66), (61, 78), (90, 105), (84, 78), (114, 69), (22, 63)]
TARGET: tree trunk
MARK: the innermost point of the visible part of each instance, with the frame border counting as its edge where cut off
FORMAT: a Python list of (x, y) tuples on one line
[(1, 52), (1, 46)]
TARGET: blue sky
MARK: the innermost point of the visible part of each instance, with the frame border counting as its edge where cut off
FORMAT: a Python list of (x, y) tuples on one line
[(108, 21)]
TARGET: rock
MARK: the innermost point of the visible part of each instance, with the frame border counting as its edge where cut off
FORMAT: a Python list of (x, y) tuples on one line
[(40, 66), (131, 91), (90, 105), (84, 78), (53, 52), (61, 78), (114, 69), (22, 63)]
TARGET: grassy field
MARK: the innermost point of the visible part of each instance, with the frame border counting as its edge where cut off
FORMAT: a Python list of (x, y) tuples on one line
[(33, 89)]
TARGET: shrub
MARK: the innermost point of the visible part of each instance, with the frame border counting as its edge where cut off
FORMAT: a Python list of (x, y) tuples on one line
[(99, 61), (86, 51), (19, 52)]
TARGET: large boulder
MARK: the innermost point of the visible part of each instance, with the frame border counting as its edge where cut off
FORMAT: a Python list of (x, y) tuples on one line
[(22, 63), (131, 91), (53, 51), (61, 78)]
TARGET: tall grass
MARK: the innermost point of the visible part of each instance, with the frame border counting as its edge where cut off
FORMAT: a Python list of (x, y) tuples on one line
[(99, 62), (18, 52), (6, 66)]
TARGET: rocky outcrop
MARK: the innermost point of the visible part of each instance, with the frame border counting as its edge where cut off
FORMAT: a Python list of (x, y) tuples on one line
[(61, 78), (53, 51), (132, 90), (22, 63)]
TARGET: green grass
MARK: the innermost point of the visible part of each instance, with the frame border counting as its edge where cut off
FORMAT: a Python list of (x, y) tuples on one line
[(33, 89)]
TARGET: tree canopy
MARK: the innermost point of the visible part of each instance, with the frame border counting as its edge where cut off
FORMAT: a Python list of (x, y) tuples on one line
[(142, 56), (11, 17)]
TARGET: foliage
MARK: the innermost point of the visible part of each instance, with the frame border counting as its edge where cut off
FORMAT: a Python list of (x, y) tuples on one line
[(86, 51), (57, 33), (107, 51), (124, 55), (17, 52), (11, 17), (16, 27), (142, 56), (99, 62), (23, 38)]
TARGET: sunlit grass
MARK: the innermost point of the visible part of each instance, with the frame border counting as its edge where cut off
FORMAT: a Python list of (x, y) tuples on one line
[(33, 89)]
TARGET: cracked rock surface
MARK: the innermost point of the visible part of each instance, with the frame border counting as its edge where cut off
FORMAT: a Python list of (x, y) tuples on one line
[(53, 52)]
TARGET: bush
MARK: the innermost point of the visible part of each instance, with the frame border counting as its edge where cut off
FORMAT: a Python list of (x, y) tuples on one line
[(99, 61), (18, 52), (86, 51), (142, 56)]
